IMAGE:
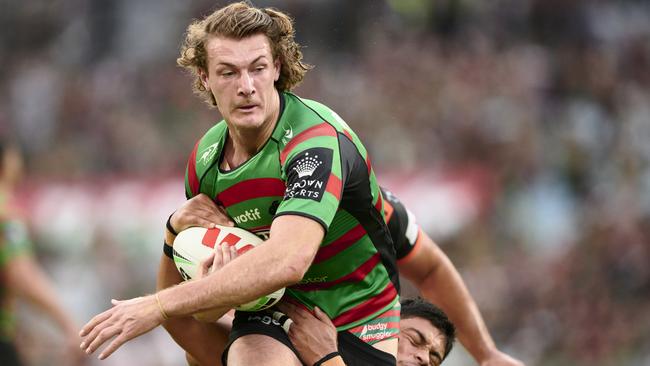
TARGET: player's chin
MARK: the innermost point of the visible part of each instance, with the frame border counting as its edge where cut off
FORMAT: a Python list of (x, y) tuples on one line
[(249, 122)]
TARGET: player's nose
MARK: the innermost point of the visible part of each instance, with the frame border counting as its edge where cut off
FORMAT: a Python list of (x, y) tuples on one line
[(246, 86)]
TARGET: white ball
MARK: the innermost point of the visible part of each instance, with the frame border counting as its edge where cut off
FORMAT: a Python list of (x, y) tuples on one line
[(194, 244)]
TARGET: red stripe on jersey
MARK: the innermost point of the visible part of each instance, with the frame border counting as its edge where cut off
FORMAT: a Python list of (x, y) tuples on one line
[(359, 274), (250, 189), (367, 308), (340, 244), (390, 313), (323, 129), (347, 133), (334, 186), (380, 203), (368, 164), (210, 237), (192, 178)]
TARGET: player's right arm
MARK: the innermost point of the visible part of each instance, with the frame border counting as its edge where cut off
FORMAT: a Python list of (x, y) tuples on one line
[(195, 337), (422, 262)]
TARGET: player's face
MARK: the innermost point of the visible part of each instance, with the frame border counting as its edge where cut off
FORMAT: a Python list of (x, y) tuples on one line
[(241, 75), (420, 343)]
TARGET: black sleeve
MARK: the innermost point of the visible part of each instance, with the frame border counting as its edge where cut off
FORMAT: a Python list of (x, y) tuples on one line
[(402, 226)]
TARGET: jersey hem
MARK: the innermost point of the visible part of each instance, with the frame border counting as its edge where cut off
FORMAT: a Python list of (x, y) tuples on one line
[(414, 250), (298, 213)]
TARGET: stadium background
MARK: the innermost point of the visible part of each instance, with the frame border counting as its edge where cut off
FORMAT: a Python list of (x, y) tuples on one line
[(518, 131)]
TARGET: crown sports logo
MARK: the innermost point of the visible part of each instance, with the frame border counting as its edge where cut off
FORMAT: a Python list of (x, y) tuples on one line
[(308, 173), (306, 166)]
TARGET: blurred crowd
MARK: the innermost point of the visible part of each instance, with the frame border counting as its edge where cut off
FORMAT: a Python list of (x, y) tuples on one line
[(541, 107)]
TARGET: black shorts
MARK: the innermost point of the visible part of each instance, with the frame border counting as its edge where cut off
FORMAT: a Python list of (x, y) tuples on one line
[(8, 354), (354, 351)]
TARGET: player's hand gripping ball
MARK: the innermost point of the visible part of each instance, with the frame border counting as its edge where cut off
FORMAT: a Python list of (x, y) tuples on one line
[(195, 244)]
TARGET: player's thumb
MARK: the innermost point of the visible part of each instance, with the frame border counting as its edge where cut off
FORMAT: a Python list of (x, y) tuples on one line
[(206, 264)]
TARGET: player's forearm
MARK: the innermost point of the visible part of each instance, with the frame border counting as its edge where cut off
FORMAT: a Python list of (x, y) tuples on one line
[(279, 262), (261, 271), (445, 287)]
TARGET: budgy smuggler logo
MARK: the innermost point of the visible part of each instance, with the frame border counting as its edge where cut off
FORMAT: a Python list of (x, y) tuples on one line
[(308, 174), (372, 332)]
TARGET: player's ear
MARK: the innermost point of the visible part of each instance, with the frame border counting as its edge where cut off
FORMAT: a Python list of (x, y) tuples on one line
[(203, 75)]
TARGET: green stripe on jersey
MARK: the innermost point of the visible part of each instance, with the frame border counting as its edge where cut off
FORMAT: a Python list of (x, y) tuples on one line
[(298, 171)]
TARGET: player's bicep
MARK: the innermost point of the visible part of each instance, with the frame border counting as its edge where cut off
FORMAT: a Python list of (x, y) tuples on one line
[(297, 236), (425, 257), (168, 275)]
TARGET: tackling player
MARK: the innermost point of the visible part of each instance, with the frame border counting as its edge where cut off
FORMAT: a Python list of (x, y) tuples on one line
[(426, 335), (421, 261)]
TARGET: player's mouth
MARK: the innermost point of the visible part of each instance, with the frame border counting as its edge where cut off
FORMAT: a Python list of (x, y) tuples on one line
[(246, 107)]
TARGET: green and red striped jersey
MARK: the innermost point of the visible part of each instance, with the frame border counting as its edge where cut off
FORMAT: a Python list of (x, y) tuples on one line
[(315, 166), (14, 242)]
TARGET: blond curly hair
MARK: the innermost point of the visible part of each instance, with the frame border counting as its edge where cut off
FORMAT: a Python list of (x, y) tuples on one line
[(241, 20)]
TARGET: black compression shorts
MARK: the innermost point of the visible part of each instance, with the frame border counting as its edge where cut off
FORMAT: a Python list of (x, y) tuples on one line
[(354, 351)]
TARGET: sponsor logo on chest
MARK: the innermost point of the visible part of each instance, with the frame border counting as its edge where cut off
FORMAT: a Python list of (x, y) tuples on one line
[(248, 216)]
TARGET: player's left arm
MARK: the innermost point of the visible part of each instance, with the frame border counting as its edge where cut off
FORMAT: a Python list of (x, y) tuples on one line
[(438, 280), (280, 261)]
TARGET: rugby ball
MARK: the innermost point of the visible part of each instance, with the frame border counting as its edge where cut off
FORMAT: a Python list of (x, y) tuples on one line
[(194, 244)]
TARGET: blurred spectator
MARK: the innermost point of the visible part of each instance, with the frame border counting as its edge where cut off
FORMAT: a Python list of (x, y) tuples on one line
[(21, 277)]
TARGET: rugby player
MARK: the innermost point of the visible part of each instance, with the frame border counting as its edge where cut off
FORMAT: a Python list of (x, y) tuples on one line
[(426, 335), (421, 261), (282, 165)]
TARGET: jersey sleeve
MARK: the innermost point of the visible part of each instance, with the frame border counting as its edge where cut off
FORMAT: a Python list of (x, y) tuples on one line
[(191, 176), (311, 167), (403, 228)]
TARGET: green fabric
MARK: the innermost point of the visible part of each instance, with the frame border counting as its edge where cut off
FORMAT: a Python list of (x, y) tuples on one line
[(299, 172), (14, 242)]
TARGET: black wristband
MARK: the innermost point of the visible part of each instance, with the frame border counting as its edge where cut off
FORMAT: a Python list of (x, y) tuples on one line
[(327, 357), (168, 250), (169, 225)]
